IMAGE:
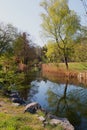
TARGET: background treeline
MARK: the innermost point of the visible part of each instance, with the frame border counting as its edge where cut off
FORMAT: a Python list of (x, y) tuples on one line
[(19, 58), (18, 44), (19, 53)]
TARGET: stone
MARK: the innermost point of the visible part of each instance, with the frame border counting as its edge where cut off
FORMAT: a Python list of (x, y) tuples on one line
[(18, 100), (63, 122), (32, 107), (41, 118), (14, 95), (16, 104), (50, 116)]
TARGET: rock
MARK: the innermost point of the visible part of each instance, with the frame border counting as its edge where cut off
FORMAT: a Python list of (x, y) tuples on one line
[(15, 98), (18, 100), (50, 116), (15, 104), (54, 120), (46, 123), (63, 122), (32, 107), (14, 95), (49, 119), (41, 118)]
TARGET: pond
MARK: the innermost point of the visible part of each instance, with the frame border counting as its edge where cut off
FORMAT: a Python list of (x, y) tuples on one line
[(62, 97)]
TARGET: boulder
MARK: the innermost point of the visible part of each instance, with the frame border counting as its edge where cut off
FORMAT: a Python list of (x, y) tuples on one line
[(63, 122), (14, 95), (32, 107), (18, 100)]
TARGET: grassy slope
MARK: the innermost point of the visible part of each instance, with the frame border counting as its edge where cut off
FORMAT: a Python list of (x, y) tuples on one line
[(78, 66), (13, 118)]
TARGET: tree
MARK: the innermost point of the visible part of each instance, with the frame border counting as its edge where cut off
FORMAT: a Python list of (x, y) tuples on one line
[(60, 24), (8, 33), (80, 52), (23, 48), (80, 47), (43, 53), (53, 52)]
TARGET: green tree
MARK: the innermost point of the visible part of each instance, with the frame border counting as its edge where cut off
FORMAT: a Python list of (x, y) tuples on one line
[(80, 52), (80, 47), (53, 53), (43, 54), (60, 24)]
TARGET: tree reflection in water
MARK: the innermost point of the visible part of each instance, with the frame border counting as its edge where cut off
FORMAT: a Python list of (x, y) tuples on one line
[(62, 106)]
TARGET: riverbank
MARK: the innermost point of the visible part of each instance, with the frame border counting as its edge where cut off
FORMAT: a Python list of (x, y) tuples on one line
[(13, 118), (77, 71)]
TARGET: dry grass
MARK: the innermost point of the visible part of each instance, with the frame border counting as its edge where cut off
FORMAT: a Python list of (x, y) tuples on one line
[(77, 66)]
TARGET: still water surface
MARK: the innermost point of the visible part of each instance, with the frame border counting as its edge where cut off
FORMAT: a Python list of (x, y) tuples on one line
[(62, 99)]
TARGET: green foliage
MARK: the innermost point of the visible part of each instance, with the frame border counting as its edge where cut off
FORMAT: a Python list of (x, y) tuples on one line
[(8, 77), (53, 52), (80, 52), (43, 55)]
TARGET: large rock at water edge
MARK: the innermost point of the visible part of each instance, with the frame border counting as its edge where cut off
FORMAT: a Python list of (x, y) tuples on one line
[(32, 107), (63, 122)]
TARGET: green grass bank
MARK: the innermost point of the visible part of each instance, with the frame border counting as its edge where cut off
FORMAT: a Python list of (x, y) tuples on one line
[(13, 118)]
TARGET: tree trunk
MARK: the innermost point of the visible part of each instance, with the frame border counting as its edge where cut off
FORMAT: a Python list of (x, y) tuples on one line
[(66, 62)]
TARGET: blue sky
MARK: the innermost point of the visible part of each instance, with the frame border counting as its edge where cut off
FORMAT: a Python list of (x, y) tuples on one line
[(25, 15)]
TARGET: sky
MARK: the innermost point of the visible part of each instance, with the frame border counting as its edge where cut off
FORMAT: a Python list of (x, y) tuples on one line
[(25, 15)]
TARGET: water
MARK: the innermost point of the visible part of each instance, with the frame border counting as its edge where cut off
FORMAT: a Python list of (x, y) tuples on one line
[(62, 99)]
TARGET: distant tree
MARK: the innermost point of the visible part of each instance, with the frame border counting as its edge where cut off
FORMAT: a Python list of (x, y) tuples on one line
[(80, 46), (38, 50), (80, 52), (60, 24), (24, 49), (43, 54), (8, 34)]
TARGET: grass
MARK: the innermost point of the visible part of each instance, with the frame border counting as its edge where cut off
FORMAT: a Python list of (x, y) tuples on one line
[(10, 122), (13, 118), (81, 66), (77, 66)]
